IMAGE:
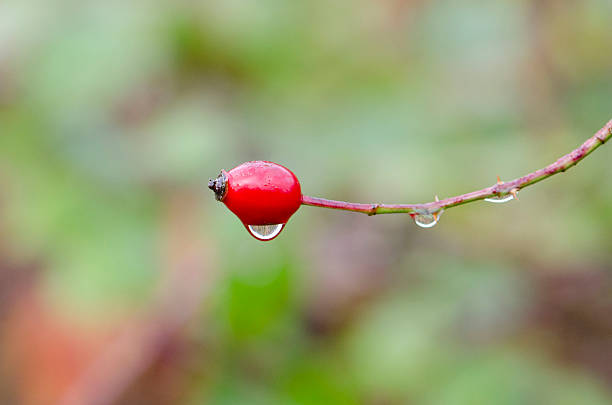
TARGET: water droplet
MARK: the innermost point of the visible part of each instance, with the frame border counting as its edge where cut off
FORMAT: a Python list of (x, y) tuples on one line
[(265, 232), (427, 220), (500, 199)]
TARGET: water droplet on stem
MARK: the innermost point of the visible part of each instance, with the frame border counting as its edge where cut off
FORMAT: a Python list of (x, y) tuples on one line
[(427, 220), (265, 232), (501, 199)]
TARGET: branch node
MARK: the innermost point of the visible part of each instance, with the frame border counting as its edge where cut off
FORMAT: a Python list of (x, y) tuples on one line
[(602, 138)]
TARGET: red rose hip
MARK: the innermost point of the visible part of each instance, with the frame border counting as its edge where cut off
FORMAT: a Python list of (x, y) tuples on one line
[(263, 195)]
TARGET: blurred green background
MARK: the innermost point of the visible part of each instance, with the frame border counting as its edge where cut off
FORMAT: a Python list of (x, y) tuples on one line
[(123, 281)]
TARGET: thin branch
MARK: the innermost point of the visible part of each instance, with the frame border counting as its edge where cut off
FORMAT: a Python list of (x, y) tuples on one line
[(498, 190)]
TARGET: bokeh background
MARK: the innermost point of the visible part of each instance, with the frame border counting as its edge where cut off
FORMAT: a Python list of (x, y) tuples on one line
[(123, 281)]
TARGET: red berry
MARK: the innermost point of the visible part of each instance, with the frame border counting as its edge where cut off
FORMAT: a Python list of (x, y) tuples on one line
[(263, 195)]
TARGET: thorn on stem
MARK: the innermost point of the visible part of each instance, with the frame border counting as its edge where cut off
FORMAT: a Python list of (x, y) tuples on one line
[(499, 182), (514, 193), (602, 138)]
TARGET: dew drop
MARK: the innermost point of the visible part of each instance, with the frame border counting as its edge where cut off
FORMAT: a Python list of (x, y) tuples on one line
[(500, 199), (427, 220), (265, 232)]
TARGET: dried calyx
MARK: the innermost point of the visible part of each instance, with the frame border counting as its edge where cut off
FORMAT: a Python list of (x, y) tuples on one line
[(219, 186)]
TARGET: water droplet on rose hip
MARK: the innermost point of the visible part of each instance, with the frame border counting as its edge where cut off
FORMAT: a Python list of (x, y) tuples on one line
[(427, 220), (265, 232)]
